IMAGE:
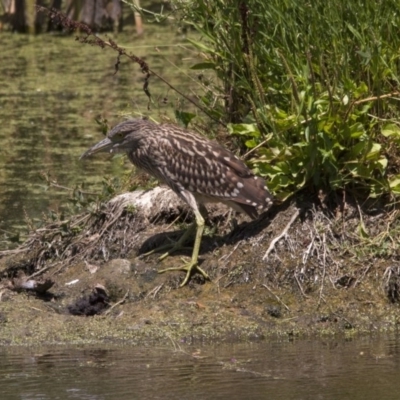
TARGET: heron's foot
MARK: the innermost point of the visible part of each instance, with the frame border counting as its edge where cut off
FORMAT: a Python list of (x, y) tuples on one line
[(190, 268), (170, 247)]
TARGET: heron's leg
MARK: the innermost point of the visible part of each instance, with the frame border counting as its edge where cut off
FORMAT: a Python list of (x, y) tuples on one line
[(192, 266), (180, 244), (173, 246)]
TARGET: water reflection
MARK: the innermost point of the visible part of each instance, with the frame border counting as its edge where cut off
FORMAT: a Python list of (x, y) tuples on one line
[(51, 90), (356, 369)]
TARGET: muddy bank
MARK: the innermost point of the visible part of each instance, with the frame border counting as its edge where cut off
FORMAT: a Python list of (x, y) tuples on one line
[(304, 267)]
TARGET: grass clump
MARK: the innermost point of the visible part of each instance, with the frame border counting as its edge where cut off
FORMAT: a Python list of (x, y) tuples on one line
[(312, 89)]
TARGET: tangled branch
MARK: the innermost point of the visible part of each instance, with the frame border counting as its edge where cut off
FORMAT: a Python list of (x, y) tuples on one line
[(91, 38)]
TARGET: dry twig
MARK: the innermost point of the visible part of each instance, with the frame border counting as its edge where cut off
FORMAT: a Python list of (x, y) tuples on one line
[(276, 296), (324, 270), (299, 285), (117, 303), (281, 235), (153, 292)]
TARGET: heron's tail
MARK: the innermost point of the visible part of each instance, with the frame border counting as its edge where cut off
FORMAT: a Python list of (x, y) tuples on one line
[(253, 197)]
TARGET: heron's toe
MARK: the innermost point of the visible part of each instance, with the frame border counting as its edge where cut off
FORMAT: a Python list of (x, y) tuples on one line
[(190, 268)]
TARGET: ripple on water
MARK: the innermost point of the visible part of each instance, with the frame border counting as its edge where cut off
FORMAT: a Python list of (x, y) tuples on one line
[(365, 369)]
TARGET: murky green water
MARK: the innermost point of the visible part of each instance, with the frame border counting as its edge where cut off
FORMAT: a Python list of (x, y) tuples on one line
[(51, 90), (367, 369)]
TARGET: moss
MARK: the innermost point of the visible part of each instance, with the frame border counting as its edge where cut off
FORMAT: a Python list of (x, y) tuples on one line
[(247, 299)]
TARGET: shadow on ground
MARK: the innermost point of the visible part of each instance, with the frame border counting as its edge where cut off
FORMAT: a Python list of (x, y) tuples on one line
[(300, 269)]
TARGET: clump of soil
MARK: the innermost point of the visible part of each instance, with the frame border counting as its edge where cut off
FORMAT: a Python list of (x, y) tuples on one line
[(304, 267)]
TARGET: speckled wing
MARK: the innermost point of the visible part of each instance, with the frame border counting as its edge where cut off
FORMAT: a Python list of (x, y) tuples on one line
[(211, 172)]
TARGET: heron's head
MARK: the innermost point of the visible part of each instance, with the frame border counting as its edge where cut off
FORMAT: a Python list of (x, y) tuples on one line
[(121, 138)]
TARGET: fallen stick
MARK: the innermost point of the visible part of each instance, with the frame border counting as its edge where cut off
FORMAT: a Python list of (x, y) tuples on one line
[(281, 235)]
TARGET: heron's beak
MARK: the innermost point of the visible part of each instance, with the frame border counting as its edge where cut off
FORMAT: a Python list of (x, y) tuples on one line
[(105, 145)]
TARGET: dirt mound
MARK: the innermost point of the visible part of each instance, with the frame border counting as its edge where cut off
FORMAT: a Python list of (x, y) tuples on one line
[(301, 268)]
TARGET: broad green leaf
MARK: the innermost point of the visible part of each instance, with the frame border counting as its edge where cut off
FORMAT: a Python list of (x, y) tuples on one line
[(281, 181), (184, 117), (374, 151), (357, 151), (361, 171), (390, 130), (361, 90), (395, 183), (251, 143), (357, 130), (244, 129), (383, 162), (395, 188)]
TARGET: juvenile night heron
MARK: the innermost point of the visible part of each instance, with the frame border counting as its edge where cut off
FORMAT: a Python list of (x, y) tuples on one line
[(196, 169)]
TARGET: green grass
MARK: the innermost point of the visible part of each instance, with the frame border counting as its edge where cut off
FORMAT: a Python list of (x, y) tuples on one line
[(311, 89)]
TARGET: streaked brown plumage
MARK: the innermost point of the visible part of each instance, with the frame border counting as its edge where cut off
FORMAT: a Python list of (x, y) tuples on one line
[(196, 169)]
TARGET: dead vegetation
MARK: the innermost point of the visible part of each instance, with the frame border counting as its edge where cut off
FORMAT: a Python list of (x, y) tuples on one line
[(302, 265)]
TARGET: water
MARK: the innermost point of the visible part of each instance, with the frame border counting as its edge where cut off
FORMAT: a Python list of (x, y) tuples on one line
[(366, 369), (52, 89)]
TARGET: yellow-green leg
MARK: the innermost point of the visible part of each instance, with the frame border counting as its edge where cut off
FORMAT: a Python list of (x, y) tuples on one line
[(191, 266), (173, 246), (180, 244)]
